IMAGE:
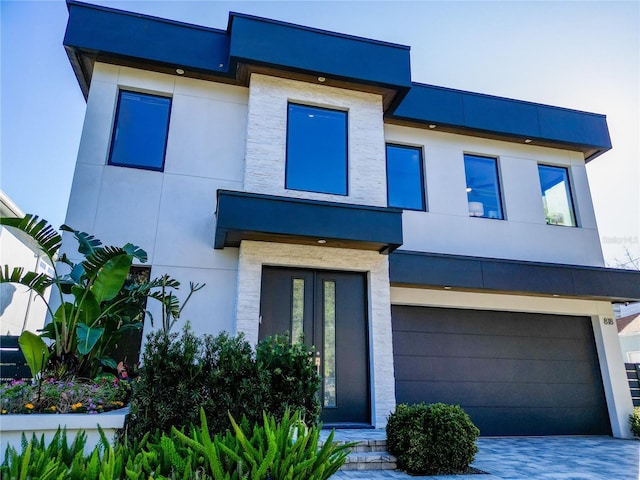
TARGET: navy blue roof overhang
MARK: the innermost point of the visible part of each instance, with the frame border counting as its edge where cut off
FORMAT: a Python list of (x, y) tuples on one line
[(250, 43), (250, 216), (106, 34), (420, 269), (500, 118), (115, 36), (297, 48)]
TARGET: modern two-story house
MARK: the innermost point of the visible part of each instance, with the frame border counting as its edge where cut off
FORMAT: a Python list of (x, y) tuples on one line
[(431, 244)]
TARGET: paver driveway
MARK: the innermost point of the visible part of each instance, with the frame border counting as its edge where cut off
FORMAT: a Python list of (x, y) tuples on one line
[(543, 458)]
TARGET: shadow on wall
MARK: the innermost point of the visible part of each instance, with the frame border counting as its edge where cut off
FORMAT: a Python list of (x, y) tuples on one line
[(6, 296)]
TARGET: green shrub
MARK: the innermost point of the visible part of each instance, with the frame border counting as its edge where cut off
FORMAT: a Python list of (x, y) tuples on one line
[(230, 381), (431, 439), (222, 374), (267, 451), (634, 422), (291, 380), (277, 450), (169, 389)]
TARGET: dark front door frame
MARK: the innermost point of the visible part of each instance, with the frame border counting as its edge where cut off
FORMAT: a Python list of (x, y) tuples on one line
[(325, 298)]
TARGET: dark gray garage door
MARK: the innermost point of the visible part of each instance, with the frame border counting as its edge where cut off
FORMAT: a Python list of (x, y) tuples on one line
[(513, 373)]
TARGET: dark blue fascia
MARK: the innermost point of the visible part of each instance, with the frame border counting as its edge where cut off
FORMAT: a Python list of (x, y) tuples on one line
[(106, 33), (502, 118), (250, 216), (319, 52), (513, 276)]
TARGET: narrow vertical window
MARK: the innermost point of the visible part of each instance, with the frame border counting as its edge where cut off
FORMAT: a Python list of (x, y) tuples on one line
[(556, 196), (329, 397), (316, 150), (140, 131), (483, 187), (297, 311), (405, 182)]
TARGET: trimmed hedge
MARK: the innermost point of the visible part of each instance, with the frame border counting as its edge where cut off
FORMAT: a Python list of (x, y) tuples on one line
[(436, 439)]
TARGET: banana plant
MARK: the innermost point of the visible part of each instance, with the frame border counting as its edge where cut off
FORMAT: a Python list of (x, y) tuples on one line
[(93, 308)]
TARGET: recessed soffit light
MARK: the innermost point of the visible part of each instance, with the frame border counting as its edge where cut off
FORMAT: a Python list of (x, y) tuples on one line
[(322, 79), (432, 126), (179, 71), (322, 241), (528, 140)]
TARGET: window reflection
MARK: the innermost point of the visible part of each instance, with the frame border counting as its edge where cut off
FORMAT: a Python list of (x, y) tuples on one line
[(316, 150), (556, 196), (483, 188)]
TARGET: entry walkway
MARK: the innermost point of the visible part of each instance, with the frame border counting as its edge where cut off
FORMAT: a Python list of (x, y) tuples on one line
[(535, 458)]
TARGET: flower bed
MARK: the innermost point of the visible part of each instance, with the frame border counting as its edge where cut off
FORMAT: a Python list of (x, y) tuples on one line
[(41, 409), (56, 397)]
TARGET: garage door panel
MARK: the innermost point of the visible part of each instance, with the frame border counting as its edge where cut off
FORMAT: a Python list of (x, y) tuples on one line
[(485, 346), (427, 368), (448, 320), (539, 421), (482, 394), (514, 373)]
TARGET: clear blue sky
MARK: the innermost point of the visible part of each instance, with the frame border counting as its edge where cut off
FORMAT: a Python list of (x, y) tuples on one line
[(582, 55)]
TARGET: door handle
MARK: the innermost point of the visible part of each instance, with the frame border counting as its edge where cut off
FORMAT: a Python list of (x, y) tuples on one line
[(318, 364)]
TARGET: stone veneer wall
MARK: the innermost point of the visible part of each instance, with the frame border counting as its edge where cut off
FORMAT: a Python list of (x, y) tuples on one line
[(253, 255), (267, 138)]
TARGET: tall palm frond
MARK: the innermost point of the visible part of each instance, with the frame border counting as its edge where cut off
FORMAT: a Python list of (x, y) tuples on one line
[(47, 238), (35, 281)]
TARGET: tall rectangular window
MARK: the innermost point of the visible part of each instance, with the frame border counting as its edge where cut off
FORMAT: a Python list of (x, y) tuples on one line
[(405, 183), (556, 196), (316, 150), (483, 187), (140, 132)]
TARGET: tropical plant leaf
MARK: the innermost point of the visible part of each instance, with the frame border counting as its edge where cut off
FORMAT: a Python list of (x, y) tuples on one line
[(96, 260), (35, 351), (87, 244), (135, 252), (170, 302), (111, 277), (108, 362), (87, 304), (47, 238), (37, 282), (87, 337)]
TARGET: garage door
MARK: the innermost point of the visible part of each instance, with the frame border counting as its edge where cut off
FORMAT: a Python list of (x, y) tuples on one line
[(513, 373)]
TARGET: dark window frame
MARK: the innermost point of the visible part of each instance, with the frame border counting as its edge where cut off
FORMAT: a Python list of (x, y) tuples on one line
[(423, 196), (503, 215), (570, 198), (116, 118), (346, 149)]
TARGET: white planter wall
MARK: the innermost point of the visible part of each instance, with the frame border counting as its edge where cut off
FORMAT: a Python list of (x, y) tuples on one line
[(13, 426)]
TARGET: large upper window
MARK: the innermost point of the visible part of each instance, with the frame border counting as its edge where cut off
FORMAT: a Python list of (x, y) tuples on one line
[(556, 195), (483, 187), (405, 185), (140, 131), (316, 149)]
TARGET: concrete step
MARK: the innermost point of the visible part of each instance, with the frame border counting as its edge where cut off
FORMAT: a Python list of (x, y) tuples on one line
[(368, 455), (369, 461)]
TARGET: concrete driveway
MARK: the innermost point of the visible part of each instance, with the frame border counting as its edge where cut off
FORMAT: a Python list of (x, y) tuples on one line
[(533, 458)]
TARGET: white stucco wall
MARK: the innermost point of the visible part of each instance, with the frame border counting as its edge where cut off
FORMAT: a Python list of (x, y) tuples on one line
[(614, 378), (169, 214), (524, 235), (267, 139)]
